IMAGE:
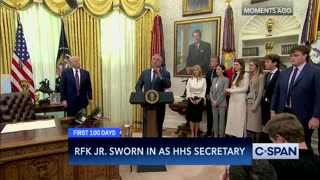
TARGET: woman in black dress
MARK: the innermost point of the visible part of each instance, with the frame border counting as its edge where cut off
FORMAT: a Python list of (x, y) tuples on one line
[(196, 91)]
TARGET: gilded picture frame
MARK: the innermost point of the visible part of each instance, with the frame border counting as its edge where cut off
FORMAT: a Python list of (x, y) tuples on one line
[(196, 7), (185, 55), (257, 1)]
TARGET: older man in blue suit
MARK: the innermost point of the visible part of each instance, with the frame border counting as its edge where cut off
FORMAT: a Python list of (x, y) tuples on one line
[(298, 91), (158, 79), (75, 87)]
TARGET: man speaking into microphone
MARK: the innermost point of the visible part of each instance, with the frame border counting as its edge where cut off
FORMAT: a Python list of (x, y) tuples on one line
[(158, 79)]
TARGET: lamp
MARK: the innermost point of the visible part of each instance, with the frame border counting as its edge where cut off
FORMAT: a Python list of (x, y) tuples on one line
[(81, 116)]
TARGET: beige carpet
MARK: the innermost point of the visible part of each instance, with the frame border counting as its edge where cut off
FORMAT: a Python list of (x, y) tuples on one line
[(168, 132), (173, 172)]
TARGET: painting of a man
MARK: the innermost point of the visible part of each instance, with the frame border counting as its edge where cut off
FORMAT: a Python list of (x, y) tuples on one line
[(195, 42), (199, 53)]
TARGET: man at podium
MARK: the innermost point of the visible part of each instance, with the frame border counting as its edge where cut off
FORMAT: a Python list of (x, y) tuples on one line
[(155, 78)]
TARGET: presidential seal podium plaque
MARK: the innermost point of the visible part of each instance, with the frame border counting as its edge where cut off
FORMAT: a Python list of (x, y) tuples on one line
[(152, 96), (150, 102)]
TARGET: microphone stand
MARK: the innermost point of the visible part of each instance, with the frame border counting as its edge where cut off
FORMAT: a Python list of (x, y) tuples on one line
[(185, 91)]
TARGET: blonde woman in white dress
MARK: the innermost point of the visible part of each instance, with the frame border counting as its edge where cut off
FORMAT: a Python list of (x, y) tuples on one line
[(196, 91), (237, 109), (254, 97)]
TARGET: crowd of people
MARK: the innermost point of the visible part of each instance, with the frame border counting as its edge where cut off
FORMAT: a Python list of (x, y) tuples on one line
[(279, 107), (282, 128), (253, 97)]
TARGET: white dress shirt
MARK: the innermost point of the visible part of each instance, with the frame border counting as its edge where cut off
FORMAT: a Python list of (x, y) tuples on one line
[(196, 87), (273, 72)]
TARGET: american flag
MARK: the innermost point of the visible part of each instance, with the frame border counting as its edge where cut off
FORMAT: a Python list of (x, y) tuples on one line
[(21, 68)]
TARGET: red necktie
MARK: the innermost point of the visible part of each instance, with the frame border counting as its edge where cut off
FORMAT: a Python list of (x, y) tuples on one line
[(77, 82)]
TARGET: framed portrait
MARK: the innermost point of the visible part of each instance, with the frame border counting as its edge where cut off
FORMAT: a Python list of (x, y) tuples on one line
[(55, 98), (193, 7), (195, 41)]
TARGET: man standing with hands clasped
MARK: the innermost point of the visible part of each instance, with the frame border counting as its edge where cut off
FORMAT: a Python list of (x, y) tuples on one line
[(297, 91), (158, 79), (214, 62), (75, 87)]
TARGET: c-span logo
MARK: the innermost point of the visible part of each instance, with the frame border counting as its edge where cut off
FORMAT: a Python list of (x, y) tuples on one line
[(275, 151)]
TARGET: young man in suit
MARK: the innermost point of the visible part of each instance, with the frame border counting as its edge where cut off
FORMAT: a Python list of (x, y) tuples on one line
[(214, 62), (286, 128), (297, 91), (158, 79), (75, 87), (271, 63)]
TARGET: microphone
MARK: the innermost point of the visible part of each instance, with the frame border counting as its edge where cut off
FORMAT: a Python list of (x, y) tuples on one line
[(185, 91), (96, 113), (81, 116)]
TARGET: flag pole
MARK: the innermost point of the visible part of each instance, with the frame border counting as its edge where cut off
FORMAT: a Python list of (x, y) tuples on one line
[(157, 11), (17, 5), (21, 67)]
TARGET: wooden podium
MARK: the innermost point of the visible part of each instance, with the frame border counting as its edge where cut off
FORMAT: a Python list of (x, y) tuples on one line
[(150, 102)]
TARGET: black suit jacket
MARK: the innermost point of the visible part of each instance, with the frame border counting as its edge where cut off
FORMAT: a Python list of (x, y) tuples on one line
[(158, 85), (306, 167), (68, 89), (267, 96), (201, 57), (269, 88), (209, 80)]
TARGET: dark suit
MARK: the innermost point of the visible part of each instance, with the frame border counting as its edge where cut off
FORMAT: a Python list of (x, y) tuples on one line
[(209, 79), (267, 96), (68, 90), (266, 102), (305, 96), (200, 56), (158, 85), (306, 167)]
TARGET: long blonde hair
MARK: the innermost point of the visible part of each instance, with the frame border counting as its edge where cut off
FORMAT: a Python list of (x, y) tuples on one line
[(197, 67), (255, 77)]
